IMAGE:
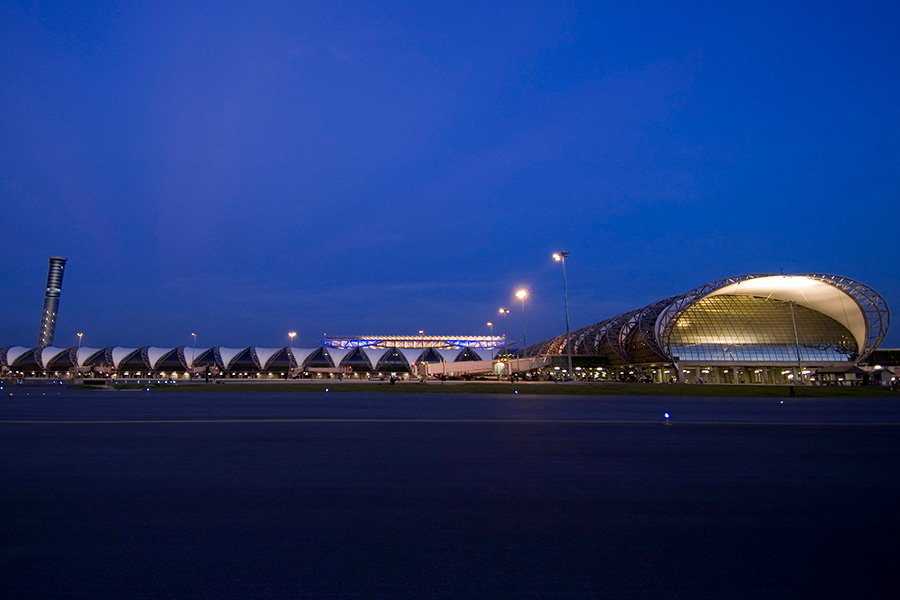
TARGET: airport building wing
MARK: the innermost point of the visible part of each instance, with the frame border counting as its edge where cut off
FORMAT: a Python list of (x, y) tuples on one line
[(758, 318), (761, 319)]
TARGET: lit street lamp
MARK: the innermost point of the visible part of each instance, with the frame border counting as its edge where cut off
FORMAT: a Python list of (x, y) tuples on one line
[(193, 349), (561, 257), (521, 295), (77, 352), (491, 325), (505, 311), (292, 335)]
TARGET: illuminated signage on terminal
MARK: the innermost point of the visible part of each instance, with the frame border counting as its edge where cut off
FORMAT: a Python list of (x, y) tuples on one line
[(415, 341)]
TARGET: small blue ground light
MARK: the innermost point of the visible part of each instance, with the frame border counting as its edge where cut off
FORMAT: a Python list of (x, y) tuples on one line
[(667, 418)]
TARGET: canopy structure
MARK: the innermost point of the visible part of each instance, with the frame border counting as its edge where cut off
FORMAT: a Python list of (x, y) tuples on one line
[(759, 318), (252, 359)]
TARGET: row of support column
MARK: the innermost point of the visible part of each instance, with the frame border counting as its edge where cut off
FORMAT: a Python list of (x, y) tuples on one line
[(742, 374)]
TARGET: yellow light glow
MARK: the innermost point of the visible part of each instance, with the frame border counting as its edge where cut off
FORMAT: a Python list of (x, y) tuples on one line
[(292, 334), (521, 294), (557, 257)]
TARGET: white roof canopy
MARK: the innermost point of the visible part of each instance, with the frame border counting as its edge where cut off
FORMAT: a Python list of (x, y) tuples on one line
[(119, 354), (84, 353), (449, 355), (49, 353), (191, 354), (337, 355), (301, 354), (265, 354), (15, 353), (374, 355), (412, 354), (154, 354), (228, 355), (805, 291)]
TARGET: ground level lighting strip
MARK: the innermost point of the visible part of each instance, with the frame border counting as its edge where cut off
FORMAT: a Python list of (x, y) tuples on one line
[(314, 420)]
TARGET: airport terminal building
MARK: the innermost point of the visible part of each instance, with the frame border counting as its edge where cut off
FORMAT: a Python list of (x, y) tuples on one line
[(353, 356), (759, 328)]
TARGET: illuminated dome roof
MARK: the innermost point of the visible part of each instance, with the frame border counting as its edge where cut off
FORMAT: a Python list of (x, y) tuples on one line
[(753, 318)]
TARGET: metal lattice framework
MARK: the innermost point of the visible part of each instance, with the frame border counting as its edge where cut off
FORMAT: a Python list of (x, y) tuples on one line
[(668, 317), (643, 321), (615, 340), (594, 336), (875, 308), (618, 337)]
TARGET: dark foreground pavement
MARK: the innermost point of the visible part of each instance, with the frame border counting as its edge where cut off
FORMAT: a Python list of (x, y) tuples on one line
[(143, 495)]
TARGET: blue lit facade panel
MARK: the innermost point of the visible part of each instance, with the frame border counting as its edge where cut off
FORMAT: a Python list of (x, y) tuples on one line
[(411, 341)]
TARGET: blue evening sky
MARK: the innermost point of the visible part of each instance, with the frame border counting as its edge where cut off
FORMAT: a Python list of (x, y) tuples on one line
[(242, 169)]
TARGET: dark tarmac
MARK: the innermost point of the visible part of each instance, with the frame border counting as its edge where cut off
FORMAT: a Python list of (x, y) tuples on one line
[(354, 495)]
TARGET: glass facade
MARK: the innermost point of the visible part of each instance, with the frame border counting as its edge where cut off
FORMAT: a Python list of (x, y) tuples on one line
[(752, 329)]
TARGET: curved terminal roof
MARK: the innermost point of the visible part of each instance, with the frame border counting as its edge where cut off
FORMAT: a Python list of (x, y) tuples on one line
[(648, 334), (179, 358), (751, 312)]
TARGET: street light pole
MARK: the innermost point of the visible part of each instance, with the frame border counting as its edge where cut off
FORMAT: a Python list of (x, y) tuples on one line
[(77, 352), (561, 257), (505, 311), (291, 335), (193, 351), (491, 325), (521, 295)]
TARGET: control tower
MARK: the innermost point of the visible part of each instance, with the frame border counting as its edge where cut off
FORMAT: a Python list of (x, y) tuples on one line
[(51, 300)]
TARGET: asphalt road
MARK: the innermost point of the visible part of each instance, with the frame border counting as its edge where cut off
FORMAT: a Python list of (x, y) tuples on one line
[(148, 495)]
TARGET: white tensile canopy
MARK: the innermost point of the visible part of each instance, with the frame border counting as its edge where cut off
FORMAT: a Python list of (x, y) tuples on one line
[(805, 291), (119, 354)]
